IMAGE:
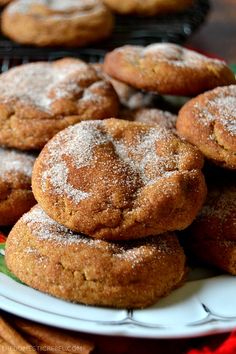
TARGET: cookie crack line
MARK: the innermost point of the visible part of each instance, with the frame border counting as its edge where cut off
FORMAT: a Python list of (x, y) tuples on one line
[(123, 172), (219, 144), (40, 99)]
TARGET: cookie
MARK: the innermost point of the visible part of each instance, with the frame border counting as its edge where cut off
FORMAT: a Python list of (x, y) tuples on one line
[(39, 99), (57, 23), (167, 68), (129, 97), (209, 122), (212, 236), (50, 258), (4, 2), (117, 180), (148, 7), (151, 116), (16, 196)]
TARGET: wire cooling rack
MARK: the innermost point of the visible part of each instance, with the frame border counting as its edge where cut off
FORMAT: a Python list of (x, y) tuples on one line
[(175, 28)]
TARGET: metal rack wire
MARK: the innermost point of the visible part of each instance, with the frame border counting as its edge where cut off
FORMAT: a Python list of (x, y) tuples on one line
[(175, 28)]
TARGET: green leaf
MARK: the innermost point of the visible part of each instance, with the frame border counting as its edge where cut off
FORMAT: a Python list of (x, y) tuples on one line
[(233, 68), (3, 267)]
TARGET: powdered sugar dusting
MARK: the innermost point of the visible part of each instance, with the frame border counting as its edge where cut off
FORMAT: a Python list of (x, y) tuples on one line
[(58, 8), (60, 173), (77, 144), (65, 5), (44, 228), (221, 204), (91, 93), (15, 162), (43, 83), (155, 116), (226, 107), (204, 114), (177, 55), (221, 108), (143, 158)]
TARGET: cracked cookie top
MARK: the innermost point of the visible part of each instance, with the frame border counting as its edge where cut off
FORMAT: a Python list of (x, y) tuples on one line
[(209, 122), (39, 99), (116, 179), (167, 68)]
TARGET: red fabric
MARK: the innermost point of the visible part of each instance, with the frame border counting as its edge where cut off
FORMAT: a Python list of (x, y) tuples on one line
[(2, 238), (227, 347)]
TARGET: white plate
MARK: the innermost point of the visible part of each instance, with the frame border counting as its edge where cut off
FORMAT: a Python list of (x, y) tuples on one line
[(200, 307)]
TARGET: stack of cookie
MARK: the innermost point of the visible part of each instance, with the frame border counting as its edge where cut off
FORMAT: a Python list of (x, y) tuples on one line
[(36, 101), (207, 121), (112, 192), (115, 182)]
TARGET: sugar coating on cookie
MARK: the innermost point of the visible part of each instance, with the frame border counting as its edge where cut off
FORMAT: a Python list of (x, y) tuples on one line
[(148, 7), (209, 122), (15, 162), (62, 6), (212, 236), (56, 23), (217, 218), (39, 99), (16, 196), (50, 258), (151, 116), (167, 68), (116, 179)]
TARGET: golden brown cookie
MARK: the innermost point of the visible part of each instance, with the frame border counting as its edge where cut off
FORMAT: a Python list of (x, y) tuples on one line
[(39, 99), (209, 122), (151, 116), (116, 179), (148, 7), (212, 236), (16, 196), (167, 68), (57, 22), (50, 258)]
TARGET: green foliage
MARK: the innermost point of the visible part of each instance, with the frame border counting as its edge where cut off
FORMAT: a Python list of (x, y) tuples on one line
[(3, 267)]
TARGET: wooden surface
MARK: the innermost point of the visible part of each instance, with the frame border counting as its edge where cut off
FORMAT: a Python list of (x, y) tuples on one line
[(218, 34)]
